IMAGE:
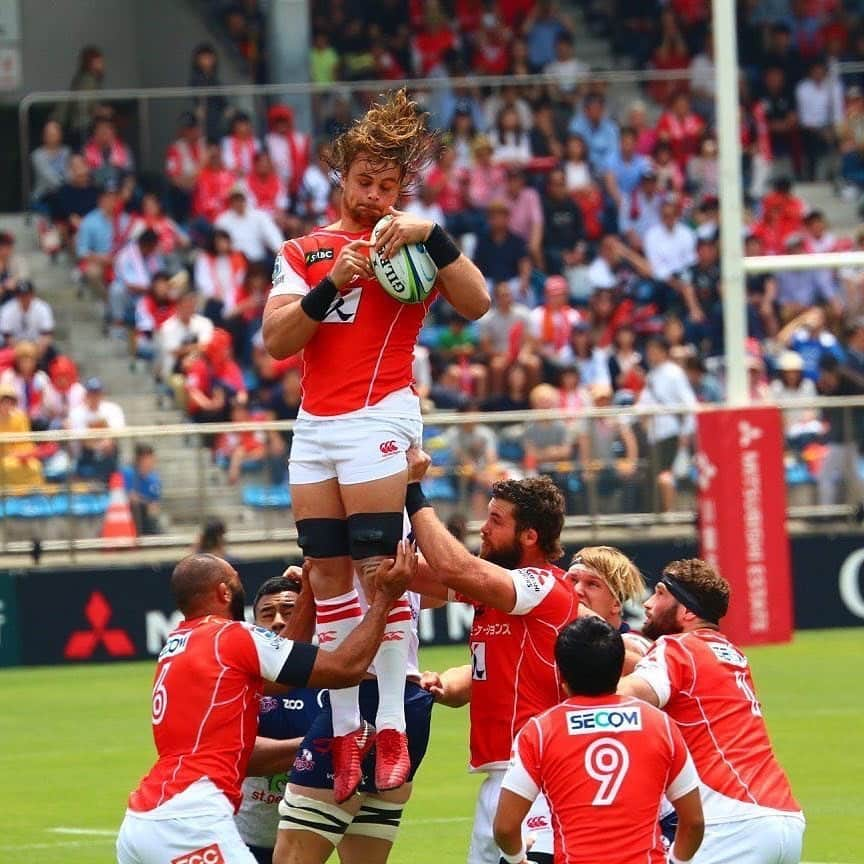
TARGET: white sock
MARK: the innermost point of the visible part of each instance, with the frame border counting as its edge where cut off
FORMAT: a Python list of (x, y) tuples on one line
[(335, 619), (391, 662)]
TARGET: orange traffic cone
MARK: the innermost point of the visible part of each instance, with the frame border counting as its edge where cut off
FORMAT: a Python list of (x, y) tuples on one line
[(119, 526)]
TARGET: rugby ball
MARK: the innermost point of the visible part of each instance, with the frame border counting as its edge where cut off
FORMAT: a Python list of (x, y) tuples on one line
[(410, 275)]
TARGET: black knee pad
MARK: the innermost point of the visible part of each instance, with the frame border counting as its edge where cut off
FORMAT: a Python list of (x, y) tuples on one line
[(374, 535), (323, 538)]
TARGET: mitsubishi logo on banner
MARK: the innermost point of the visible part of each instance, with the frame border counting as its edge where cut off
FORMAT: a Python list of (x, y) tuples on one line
[(747, 434), (83, 643), (706, 471)]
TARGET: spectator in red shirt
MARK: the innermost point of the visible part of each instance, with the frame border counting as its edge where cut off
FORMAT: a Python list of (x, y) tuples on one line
[(267, 190), (671, 54), (432, 43), (183, 162), (108, 158), (288, 148), (240, 146), (491, 54), (152, 311), (172, 238), (681, 127), (212, 187)]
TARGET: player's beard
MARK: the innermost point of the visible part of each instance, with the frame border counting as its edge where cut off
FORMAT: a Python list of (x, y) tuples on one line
[(507, 557), (663, 624), (238, 604), (362, 215)]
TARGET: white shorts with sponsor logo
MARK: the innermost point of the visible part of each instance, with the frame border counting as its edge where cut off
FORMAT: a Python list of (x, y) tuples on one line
[(351, 449), (201, 839), (484, 849), (761, 840)]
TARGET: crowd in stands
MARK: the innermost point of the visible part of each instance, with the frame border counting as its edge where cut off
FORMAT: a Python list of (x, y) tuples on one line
[(595, 223)]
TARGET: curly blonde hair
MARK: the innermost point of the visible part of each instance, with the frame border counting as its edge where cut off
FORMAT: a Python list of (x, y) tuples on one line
[(620, 574), (392, 132)]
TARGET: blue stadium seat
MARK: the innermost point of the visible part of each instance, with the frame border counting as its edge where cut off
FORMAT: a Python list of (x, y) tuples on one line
[(440, 489), (511, 450), (797, 474), (267, 497)]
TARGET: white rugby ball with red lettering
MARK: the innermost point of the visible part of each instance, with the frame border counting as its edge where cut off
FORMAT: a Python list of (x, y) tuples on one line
[(410, 275)]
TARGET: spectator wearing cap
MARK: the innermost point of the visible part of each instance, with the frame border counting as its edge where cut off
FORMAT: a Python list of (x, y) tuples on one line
[(108, 158), (13, 268), (252, 231), (27, 318), (505, 338), (526, 213), (182, 333), (239, 146), (212, 187), (597, 130), (20, 464), (799, 290), (668, 433), (552, 322), (502, 256), (670, 248), (801, 425), (840, 467), (134, 268), (32, 385), (819, 104), (639, 211), (144, 489), (184, 160), (100, 234), (98, 457), (289, 149), (485, 178), (68, 392), (624, 169), (563, 228), (50, 163), (808, 335)]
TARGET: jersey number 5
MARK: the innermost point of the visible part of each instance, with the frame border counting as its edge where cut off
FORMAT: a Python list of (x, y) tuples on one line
[(160, 696), (607, 761)]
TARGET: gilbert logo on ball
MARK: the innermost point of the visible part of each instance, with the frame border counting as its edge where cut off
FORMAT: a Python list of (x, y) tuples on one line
[(409, 276)]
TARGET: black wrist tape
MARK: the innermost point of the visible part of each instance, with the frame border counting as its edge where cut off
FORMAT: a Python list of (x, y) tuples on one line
[(415, 499), (317, 302), (441, 248)]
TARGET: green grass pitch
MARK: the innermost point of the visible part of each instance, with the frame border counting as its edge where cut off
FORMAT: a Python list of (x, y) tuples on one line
[(75, 740)]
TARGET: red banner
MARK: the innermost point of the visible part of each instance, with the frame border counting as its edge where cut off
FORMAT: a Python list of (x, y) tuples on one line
[(742, 519)]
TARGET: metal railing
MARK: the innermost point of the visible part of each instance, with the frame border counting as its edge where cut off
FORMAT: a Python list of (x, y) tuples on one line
[(144, 97), (603, 492)]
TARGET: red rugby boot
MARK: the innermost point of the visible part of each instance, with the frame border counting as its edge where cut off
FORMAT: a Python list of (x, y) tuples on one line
[(392, 762), (348, 752)]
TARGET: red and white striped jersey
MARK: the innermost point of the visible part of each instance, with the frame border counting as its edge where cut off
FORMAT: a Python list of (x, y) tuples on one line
[(513, 671), (363, 351), (205, 709), (604, 764), (703, 682)]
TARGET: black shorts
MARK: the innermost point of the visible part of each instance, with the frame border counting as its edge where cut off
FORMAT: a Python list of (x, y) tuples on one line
[(666, 450), (313, 766)]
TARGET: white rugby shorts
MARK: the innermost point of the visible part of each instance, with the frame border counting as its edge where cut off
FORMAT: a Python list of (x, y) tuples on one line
[(538, 822), (351, 449), (210, 839), (772, 839)]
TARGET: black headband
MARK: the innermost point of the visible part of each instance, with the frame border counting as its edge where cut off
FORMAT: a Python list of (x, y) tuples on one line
[(683, 595)]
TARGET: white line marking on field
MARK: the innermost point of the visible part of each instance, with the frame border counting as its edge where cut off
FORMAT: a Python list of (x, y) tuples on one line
[(444, 820), (57, 844), (84, 832)]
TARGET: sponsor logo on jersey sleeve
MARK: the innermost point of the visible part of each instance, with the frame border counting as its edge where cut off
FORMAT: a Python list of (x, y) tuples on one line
[(323, 254), (278, 271), (533, 579), (727, 654), (604, 720), (267, 704), (175, 645)]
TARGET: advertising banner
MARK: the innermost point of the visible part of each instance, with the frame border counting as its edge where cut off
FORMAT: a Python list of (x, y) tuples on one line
[(742, 519), (9, 649)]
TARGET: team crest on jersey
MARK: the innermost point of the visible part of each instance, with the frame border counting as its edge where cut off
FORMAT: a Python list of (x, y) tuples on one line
[(323, 254), (304, 761), (267, 704)]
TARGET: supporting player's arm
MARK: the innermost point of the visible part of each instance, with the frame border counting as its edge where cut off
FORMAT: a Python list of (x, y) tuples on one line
[(272, 756), (691, 827), (290, 320), (459, 280), (451, 688), (635, 685), (507, 828)]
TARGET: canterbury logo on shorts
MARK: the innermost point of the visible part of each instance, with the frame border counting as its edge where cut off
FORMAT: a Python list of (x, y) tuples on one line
[(387, 448), (211, 854)]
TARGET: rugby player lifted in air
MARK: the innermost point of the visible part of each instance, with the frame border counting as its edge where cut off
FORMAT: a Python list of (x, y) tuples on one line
[(359, 413)]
